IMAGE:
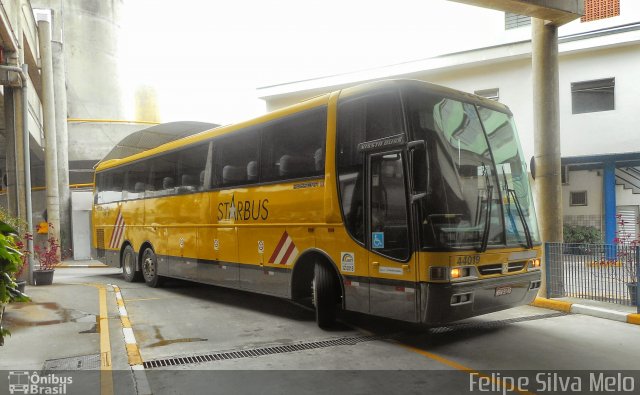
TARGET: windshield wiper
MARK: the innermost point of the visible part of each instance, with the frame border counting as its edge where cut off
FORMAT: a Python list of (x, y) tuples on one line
[(487, 219), (512, 192)]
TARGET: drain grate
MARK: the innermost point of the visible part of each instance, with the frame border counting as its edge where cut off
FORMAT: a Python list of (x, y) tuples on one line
[(492, 324), (82, 362), (258, 352)]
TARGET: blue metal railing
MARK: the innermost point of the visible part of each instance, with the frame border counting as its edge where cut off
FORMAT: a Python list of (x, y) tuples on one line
[(602, 272)]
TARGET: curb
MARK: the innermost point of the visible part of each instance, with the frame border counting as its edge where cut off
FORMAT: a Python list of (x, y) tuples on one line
[(576, 308), (65, 266)]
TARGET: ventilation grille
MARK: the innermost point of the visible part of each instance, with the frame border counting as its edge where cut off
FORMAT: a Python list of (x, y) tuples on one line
[(512, 21), (578, 198), (82, 362), (257, 352), (515, 266), (100, 243), (487, 270), (600, 9)]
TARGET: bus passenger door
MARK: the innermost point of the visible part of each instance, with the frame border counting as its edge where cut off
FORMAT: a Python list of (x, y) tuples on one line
[(392, 265)]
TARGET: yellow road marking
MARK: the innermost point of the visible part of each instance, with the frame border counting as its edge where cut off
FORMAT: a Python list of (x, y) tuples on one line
[(448, 362), (106, 375), (133, 351), (133, 354), (552, 304), (457, 366)]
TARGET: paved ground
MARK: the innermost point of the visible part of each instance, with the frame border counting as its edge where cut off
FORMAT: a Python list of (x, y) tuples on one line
[(248, 343)]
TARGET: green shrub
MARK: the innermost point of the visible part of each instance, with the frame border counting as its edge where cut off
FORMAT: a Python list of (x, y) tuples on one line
[(581, 234), (10, 264)]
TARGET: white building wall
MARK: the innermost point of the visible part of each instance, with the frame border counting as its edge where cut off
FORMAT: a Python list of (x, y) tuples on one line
[(583, 180), (624, 197), (603, 132)]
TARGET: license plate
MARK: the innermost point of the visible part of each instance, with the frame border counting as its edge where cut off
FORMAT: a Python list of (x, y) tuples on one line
[(503, 291)]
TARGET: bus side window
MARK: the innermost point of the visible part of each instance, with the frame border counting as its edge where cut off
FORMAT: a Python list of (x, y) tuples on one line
[(99, 189), (191, 163), (294, 146), (233, 157), (163, 175), (136, 176)]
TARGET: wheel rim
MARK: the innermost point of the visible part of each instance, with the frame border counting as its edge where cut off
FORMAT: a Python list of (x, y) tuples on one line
[(314, 293), (127, 264), (149, 266)]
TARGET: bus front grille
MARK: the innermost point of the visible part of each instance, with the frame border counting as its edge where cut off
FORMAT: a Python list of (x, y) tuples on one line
[(488, 270), (516, 266)]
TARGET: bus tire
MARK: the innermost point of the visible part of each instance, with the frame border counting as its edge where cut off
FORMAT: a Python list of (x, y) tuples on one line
[(324, 289), (150, 268), (129, 272)]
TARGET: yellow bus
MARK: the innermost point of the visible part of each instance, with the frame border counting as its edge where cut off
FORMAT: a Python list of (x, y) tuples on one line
[(398, 198)]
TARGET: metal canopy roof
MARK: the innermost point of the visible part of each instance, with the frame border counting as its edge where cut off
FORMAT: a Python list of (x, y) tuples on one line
[(155, 136)]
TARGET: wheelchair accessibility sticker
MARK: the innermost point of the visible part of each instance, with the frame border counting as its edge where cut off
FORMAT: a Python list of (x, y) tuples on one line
[(377, 239)]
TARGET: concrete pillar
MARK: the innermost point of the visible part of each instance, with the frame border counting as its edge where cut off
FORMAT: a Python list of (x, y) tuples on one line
[(62, 142), (546, 129), (10, 152), (51, 157), (19, 155)]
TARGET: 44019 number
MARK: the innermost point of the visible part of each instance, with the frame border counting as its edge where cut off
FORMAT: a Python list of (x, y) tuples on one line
[(468, 259)]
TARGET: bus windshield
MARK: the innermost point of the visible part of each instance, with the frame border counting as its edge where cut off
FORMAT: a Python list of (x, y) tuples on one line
[(478, 193)]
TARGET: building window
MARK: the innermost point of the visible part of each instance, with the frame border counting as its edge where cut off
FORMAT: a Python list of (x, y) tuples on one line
[(564, 174), (512, 21), (593, 96), (600, 9), (578, 198), (493, 94)]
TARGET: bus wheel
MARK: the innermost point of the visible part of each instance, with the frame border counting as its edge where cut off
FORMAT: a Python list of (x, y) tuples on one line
[(150, 268), (129, 272), (324, 289)]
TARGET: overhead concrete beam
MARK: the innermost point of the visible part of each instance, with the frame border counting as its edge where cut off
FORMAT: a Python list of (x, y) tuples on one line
[(557, 12), (7, 35)]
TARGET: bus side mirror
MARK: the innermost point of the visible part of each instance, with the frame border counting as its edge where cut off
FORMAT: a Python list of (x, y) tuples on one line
[(416, 145), (420, 168), (418, 196), (532, 167)]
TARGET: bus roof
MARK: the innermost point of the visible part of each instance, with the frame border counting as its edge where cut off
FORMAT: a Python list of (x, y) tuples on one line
[(155, 136), (213, 130)]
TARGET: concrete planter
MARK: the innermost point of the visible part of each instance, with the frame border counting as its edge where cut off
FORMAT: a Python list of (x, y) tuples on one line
[(43, 277)]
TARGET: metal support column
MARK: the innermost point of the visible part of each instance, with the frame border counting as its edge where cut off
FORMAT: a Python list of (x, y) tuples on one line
[(609, 202)]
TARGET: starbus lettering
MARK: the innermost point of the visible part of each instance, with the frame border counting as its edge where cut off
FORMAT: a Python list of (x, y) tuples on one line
[(243, 210)]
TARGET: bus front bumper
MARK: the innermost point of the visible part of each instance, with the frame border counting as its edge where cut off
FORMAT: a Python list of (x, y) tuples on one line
[(442, 303)]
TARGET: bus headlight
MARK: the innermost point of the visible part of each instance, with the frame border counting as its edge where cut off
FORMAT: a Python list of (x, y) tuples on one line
[(438, 273), (534, 264), (457, 273)]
